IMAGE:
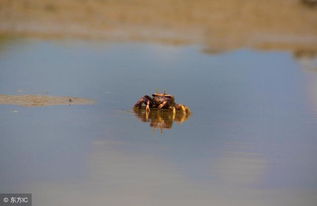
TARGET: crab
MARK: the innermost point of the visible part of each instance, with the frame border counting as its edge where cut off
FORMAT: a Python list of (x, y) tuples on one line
[(161, 101)]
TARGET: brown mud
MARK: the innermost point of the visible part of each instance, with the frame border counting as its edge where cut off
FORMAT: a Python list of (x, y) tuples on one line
[(40, 100)]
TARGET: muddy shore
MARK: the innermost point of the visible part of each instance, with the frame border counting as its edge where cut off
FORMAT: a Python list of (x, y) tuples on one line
[(217, 25)]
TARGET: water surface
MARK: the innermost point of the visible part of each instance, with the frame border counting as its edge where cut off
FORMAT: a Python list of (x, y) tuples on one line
[(251, 139)]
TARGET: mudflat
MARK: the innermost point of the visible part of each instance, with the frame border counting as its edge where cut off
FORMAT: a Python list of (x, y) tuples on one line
[(40, 100)]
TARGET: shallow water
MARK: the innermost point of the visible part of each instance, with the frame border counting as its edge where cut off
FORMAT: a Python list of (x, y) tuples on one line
[(251, 138)]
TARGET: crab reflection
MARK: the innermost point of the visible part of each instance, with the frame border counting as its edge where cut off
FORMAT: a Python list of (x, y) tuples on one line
[(162, 119)]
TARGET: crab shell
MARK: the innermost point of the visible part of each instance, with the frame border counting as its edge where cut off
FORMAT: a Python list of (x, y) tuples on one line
[(159, 98)]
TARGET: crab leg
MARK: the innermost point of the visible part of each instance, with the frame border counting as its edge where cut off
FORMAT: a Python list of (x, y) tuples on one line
[(147, 106), (174, 112), (143, 100), (162, 105)]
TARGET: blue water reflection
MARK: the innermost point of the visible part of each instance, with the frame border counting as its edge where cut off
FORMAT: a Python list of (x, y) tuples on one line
[(253, 126)]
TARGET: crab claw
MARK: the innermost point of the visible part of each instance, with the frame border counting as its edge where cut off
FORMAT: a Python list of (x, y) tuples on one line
[(183, 108)]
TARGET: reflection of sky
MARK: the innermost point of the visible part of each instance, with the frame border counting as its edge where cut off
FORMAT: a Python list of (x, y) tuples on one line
[(252, 123)]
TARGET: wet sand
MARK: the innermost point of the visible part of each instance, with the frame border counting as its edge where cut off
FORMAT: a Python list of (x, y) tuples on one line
[(40, 100)]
